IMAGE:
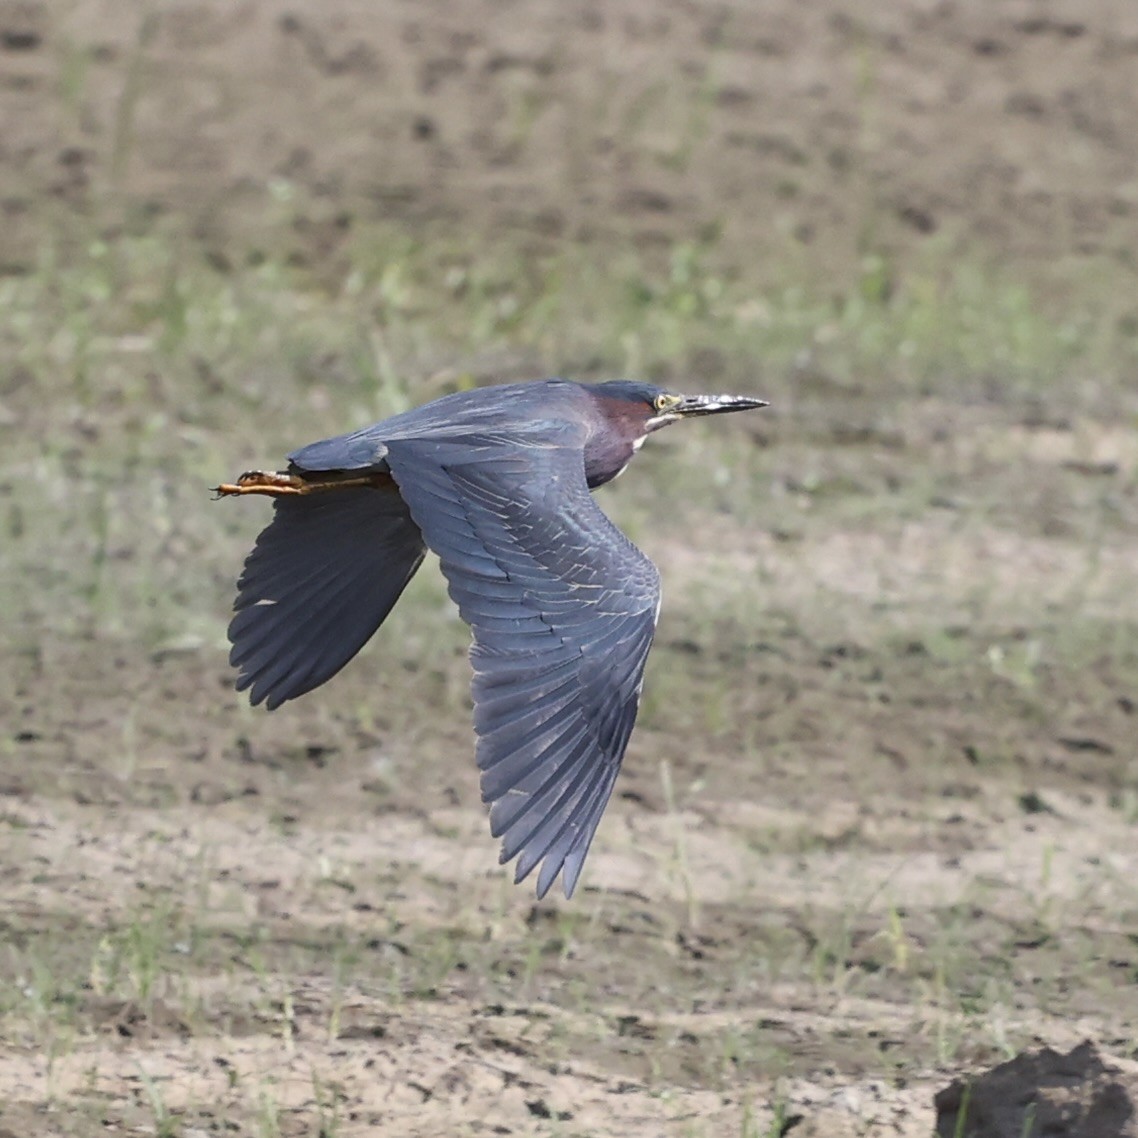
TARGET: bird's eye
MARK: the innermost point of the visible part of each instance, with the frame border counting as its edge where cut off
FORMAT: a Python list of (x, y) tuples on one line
[(663, 402)]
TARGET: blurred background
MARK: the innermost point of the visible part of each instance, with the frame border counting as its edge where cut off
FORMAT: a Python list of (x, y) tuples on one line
[(876, 825)]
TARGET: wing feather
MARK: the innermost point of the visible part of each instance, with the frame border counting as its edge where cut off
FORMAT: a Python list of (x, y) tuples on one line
[(322, 577), (563, 610)]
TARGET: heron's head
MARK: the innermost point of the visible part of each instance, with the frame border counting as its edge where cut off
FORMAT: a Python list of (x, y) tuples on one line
[(631, 411)]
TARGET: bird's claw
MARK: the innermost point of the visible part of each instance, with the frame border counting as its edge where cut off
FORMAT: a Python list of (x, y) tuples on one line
[(274, 483), (283, 484)]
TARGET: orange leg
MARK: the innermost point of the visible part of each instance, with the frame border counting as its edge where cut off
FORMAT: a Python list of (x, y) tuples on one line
[(280, 484)]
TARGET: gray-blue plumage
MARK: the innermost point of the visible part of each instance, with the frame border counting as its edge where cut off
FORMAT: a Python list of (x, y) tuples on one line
[(562, 606)]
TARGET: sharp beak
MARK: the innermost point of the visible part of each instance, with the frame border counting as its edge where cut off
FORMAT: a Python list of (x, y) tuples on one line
[(691, 405)]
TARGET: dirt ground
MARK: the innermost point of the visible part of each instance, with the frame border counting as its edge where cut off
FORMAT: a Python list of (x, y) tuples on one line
[(779, 123), (876, 827)]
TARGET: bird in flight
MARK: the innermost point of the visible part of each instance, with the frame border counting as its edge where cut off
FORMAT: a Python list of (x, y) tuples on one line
[(562, 606)]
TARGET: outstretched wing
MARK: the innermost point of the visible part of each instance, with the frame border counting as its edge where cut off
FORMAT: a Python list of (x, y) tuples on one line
[(321, 579), (563, 610)]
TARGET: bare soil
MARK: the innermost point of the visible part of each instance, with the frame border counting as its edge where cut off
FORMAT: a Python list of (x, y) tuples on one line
[(785, 126), (877, 825)]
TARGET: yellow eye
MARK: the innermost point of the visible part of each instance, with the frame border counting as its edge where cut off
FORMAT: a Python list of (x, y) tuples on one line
[(664, 402)]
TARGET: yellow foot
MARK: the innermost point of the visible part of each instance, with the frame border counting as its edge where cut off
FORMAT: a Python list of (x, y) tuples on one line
[(281, 484), (276, 484)]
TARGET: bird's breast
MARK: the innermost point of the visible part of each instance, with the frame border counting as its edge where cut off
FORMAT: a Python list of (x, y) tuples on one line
[(606, 458)]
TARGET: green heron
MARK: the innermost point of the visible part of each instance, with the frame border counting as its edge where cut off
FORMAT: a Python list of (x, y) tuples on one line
[(561, 604)]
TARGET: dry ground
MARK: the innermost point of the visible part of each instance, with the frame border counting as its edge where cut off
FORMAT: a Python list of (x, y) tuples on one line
[(877, 824)]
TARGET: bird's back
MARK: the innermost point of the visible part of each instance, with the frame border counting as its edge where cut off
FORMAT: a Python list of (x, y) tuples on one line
[(521, 410)]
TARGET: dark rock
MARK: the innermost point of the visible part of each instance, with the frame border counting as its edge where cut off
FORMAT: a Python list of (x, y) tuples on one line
[(1077, 1095)]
